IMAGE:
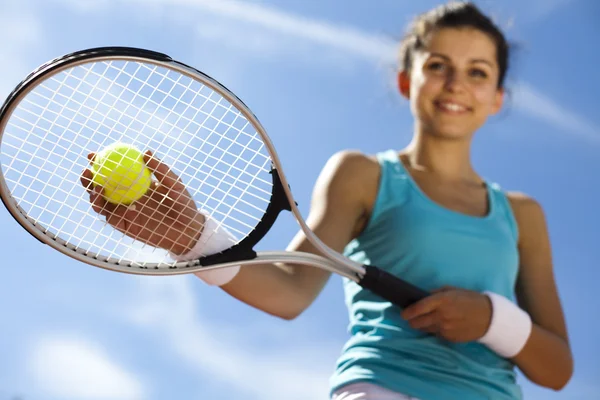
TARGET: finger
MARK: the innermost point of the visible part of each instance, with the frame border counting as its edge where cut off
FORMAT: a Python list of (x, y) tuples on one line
[(87, 180), (91, 157), (117, 218), (427, 323), (443, 289), (162, 172), (425, 306), (99, 204)]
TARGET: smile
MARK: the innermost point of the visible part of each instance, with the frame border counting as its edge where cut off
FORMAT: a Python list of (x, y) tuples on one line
[(452, 107)]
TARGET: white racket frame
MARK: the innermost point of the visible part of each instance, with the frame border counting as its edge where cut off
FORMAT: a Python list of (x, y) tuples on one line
[(331, 260)]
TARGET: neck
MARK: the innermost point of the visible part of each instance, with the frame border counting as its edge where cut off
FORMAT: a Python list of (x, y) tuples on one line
[(448, 159)]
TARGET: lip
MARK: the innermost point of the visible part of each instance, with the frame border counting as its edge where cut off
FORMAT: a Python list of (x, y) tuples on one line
[(439, 105)]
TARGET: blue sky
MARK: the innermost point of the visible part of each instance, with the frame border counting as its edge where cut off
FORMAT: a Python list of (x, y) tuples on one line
[(319, 75)]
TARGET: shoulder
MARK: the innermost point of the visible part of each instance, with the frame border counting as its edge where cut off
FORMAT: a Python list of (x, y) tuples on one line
[(529, 214), (350, 168), (523, 204), (352, 161), (349, 178)]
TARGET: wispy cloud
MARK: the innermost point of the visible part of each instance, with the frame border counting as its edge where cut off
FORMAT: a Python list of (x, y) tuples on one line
[(285, 24), (268, 29), (73, 368), (536, 104), (169, 307), (21, 29), (541, 9)]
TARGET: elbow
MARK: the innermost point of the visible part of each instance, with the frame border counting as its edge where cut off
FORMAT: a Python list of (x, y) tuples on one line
[(291, 310), (560, 380), (281, 313), (567, 375), (561, 383), (295, 304), (290, 314)]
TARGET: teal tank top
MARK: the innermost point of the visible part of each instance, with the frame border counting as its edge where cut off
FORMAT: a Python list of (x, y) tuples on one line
[(419, 240)]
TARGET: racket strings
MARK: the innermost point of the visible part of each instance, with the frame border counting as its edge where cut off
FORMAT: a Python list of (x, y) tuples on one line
[(207, 141), (235, 230), (184, 231), (201, 152), (69, 217), (34, 156), (152, 218), (219, 122), (35, 177)]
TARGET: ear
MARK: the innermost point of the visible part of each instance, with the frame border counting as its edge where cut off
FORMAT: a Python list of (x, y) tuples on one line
[(498, 101), (404, 84)]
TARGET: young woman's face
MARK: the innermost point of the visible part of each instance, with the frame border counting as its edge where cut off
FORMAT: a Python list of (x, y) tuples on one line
[(453, 83)]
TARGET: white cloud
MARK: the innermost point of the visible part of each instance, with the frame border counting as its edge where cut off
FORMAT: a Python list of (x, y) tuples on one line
[(268, 30), (68, 368), (541, 9), (286, 25), (536, 104), (21, 29), (168, 307), (348, 39)]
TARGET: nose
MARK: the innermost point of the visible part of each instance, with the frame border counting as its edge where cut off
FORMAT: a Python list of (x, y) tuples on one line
[(454, 81)]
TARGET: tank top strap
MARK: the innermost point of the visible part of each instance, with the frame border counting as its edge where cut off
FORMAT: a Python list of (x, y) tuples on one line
[(504, 209), (390, 161), (393, 183)]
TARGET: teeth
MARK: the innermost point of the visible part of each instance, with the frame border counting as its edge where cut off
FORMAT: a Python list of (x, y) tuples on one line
[(453, 107)]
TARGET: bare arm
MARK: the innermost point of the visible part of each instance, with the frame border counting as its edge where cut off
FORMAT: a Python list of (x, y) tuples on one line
[(338, 206), (546, 358)]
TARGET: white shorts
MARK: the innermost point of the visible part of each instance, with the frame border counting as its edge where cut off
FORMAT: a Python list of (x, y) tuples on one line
[(368, 391)]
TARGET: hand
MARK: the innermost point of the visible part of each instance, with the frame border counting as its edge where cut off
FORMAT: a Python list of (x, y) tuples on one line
[(456, 315), (166, 216)]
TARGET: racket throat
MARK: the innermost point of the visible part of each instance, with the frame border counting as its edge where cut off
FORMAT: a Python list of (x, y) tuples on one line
[(244, 250)]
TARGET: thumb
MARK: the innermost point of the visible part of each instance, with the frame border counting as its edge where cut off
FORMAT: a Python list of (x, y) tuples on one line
[(445, 288)]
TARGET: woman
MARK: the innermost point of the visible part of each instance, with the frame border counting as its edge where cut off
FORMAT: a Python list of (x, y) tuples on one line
[(426, 215)]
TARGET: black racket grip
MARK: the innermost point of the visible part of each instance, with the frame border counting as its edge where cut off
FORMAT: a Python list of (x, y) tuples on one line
[(390, 287)]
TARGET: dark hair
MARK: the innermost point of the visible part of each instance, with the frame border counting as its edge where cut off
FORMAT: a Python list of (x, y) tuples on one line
[(453, 15)]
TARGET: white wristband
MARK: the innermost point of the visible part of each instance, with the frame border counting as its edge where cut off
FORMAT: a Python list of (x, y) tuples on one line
[(215, 238), (510, 327)]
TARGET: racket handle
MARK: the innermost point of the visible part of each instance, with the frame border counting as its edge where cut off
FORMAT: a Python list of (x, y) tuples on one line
[(390, 287)]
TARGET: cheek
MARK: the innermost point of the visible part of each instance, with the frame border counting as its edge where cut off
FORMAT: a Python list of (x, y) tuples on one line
[(485, 96), (423, 89)]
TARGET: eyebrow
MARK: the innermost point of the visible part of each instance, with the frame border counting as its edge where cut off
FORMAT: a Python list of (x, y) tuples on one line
[(475, 60)]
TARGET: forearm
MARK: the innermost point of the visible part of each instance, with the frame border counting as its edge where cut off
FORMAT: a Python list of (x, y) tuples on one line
[(284, 291), (280, 290), (541, 354), (545, 359)]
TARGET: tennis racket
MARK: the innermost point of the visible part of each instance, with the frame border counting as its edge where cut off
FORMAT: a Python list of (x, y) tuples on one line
[(81, 102)]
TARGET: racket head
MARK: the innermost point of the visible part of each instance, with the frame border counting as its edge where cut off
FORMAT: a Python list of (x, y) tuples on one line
[(79, 103)]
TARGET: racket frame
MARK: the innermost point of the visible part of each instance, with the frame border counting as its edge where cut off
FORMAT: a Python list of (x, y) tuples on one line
[(242, 253), (282, 198)]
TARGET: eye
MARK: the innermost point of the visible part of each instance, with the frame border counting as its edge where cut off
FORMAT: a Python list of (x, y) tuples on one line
[(478, 73), (436, 66)]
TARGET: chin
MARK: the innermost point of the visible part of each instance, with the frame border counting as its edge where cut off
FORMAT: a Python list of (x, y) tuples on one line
[(451, 133), (449, 127)]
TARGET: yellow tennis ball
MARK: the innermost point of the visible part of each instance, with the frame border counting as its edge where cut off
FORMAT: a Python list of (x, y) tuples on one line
[(122, 173)]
